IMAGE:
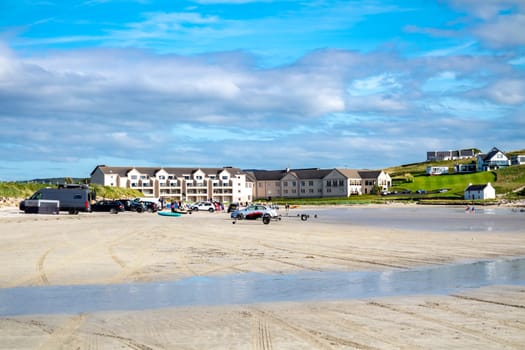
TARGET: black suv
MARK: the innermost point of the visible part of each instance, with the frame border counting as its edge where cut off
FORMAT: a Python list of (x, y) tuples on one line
[(114, 207), (150, 206), (130, 205)]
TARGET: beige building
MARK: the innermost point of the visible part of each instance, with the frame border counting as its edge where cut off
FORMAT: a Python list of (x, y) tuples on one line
[(317, 183), (306, 183), (226, 184)]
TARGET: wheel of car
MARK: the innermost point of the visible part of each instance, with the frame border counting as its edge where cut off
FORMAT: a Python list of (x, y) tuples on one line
[(113, 211), (304, 217), (139, 210), (240, 216), (266, 219), (211, 210), (196, 209)]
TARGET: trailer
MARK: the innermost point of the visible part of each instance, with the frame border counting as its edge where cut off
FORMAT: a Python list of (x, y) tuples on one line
[(41, 206)]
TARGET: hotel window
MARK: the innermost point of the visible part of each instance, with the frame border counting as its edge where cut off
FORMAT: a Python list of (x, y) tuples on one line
[(294, 183), (133, 177), (341, 182), (311, 183), (285, 184), (303, 183)]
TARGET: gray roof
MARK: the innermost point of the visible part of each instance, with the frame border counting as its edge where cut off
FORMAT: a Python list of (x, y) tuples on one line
[(476, 187), (490, 155), (369, 174), (151, 171), (301, 174)]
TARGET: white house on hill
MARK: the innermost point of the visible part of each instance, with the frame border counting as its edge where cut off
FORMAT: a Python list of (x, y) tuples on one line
[(480, 192)]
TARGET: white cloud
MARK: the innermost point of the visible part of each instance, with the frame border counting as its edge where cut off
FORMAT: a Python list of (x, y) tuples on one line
[(373, 85), (505, 31), (508, 91), (487, 9)]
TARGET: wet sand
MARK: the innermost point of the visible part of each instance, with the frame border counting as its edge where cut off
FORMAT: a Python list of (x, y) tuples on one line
[(101, 248)]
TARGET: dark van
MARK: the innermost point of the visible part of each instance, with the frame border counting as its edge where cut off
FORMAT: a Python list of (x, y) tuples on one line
[(72, 198)]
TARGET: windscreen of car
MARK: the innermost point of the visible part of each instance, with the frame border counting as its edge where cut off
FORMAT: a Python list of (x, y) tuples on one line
[(37, 195)]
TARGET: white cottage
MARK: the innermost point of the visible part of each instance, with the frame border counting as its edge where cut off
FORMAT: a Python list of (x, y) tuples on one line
[(480, 192)]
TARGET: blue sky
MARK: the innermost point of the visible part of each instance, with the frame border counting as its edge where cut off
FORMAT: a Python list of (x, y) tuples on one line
[(255, 83)]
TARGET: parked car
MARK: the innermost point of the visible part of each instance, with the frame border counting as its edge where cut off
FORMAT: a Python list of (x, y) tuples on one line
[(255, 211), (132, 205), (114, 207), (421, 191), (150, 206), (209, 206), (233, 206)]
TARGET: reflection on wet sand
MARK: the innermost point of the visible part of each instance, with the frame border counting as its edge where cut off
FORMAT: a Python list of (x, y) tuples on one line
[(252, 288)]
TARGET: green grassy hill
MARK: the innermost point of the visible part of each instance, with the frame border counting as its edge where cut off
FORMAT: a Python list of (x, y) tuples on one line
[(507, 181), (24, 190), (454, 184)]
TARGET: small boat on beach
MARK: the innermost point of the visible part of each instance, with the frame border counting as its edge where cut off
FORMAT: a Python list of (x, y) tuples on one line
[(181, 211), (169, 213)]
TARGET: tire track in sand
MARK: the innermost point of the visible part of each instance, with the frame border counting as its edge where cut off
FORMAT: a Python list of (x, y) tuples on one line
[(262, 339), (40, 268), (476, 334), (42, 274), (316, 339), (64, 337)]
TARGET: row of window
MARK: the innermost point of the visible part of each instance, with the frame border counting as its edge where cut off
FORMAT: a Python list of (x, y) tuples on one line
[(171, 177), (329, 183)]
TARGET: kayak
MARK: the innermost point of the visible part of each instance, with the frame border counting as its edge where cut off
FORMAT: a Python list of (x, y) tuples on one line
[(168, 213), (178, 211)]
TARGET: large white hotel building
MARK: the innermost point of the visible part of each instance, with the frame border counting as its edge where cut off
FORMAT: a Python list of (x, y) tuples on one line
[(229, 184)]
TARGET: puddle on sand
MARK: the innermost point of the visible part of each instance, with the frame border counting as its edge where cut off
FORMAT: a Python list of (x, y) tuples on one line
[(255, 288)]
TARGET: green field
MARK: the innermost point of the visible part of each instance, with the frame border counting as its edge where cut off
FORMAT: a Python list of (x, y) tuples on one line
[(455, 184)]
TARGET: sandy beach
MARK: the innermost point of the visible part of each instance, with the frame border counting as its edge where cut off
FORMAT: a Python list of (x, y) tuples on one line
[(105, 249)]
